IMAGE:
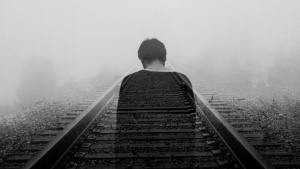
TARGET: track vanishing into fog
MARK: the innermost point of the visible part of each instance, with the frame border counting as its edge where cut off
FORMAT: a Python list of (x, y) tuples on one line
[(192, 131)]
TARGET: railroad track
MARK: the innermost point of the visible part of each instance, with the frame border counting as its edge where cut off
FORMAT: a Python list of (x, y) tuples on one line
[(267, 146), (200, 131)]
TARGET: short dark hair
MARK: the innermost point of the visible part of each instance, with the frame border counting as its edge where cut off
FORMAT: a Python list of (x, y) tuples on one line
[(152, 49)]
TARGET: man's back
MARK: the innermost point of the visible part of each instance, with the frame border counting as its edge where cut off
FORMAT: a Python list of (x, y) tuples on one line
[(150, 89), (154, 119)]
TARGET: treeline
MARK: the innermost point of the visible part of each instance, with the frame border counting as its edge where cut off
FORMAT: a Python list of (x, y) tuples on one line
[(241, 73), (38, 81), (285, 71)]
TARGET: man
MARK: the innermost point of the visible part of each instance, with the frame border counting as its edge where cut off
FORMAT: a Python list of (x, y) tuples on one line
[(154, 107), (152, 54)]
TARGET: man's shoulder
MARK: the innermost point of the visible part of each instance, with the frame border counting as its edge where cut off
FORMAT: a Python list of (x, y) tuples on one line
[(132, 74), (129, 75), (141, 72), (183, 76)]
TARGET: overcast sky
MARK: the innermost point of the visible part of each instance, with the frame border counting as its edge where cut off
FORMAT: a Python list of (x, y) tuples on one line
[(82, 38)]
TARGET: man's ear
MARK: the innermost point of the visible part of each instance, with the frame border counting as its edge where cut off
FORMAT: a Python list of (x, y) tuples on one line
[(145, 64)]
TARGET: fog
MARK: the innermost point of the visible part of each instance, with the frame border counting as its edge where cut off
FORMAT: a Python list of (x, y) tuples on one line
[(79, 39)]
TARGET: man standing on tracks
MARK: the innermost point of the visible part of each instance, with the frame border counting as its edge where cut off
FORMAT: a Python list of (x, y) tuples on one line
[(154, 115)]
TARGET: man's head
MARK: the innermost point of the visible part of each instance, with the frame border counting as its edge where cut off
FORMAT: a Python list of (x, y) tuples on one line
[(152, 50)]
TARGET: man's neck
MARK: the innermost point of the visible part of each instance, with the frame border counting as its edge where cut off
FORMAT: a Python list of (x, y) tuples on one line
[(156, 65)]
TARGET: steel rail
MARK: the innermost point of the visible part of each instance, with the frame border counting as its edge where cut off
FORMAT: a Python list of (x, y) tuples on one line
[(48, 156), (246, 154)]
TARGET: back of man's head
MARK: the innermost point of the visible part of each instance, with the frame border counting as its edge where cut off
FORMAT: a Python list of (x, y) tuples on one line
[(152, 49)]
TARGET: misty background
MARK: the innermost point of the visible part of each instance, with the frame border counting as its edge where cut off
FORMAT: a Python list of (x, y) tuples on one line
[(47, 44)]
